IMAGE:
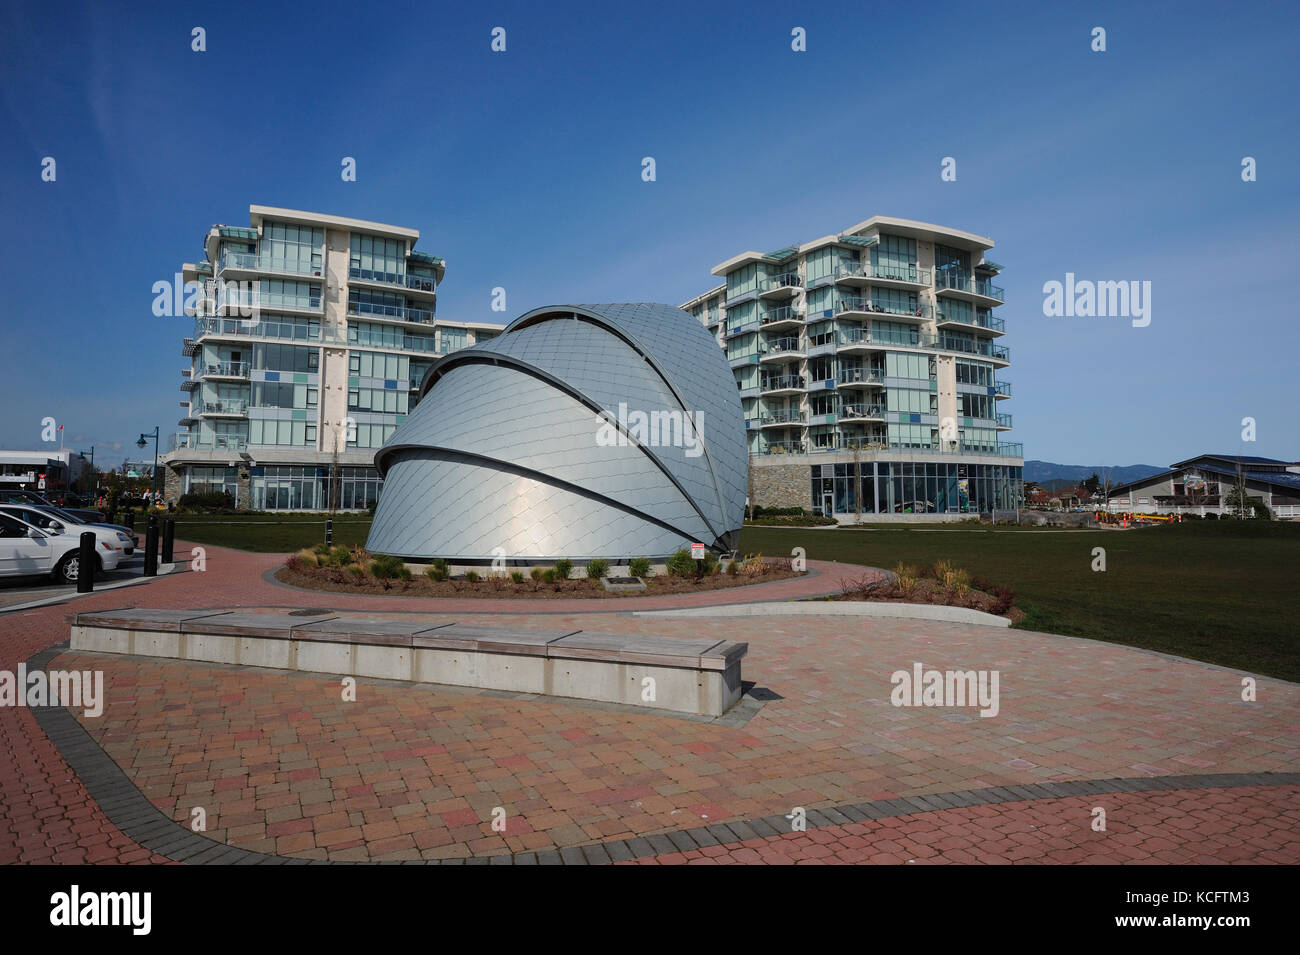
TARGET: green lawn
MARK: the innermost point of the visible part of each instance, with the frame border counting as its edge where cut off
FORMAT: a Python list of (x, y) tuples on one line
[(1220, 591), (275, 533)]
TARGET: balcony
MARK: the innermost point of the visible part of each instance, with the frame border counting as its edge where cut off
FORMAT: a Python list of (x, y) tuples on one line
[(238, 328), (226, 369), (783, 349), (850, 411), (860, 308), (190, 441), (1002, 389), (398, 313), (417, 284), (781, 286), (859, 378), (783, 385), (981, 347), (783, 447), (783, 317), (189, 384), (783, 419), (189, 347), (964, 285), (223, 409), (864, 339), (1004, 422), (866, 273), (990, 323), (255, 264)]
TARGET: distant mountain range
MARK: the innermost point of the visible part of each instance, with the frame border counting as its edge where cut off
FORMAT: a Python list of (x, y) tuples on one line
[(1053, 476)]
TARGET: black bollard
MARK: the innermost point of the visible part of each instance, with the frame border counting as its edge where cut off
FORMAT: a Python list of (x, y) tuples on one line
[(86, 563), (329, 533), (168, 538), (151, 548)]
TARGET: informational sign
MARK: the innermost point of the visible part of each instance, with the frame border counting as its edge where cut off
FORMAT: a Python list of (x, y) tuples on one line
[(697, 551), (40, 484)]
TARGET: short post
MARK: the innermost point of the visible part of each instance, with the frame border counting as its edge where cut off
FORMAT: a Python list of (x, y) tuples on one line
[(329, 532), (86, 563), (151, 548), (168, 539)]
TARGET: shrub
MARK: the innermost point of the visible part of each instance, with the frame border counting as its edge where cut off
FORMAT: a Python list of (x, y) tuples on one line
[(548, 575), (535, 573), (340, 556), (732, 567), (680, 563), (387, 567), (753, 565), (710, 562), (205, 501), (472, 576), (563, 569), (357, 571), (435, 573), (516, 577), (321, 550), (1006, 597), (303, 560), (597, 569), (639, 567)]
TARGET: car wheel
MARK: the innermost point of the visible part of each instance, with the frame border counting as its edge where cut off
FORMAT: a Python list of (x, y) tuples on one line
[(69, 569)]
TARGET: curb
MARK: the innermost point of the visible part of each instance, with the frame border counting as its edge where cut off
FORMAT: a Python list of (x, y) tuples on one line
[(844, 608)]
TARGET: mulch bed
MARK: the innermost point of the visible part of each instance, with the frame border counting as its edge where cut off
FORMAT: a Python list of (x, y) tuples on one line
[(930, 591), (336, 580)]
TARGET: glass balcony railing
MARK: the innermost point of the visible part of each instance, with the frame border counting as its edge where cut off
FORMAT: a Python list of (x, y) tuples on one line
[(895, 273), (263, 262), (865, 336), (1004, 421), (401, 312), (226, 369), (421, 283), (979, 321), (267, 300), (227, 407), (194, 441), (911, 310), (783, 383), (784, 314), (783, 447), (227, 327), (784, 280), (859, 376), (862, 411), (1002, 387), (970, 347), (784, 417), (965, 282), (783, 346)]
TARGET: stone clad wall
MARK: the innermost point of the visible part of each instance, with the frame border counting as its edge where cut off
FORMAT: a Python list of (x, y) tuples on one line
[(780, 485)]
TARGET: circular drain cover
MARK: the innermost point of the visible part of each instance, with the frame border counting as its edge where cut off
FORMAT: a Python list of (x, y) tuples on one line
[(309, 613)]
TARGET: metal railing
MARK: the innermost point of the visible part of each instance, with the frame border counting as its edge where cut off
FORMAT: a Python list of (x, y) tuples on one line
[(865, 336), (896, 273), (1002, 388), (1004, 420), (191, 441), (851, 304), (783, 447)]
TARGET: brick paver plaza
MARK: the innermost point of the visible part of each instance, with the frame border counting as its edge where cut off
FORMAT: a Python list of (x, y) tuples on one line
[(282, 765)]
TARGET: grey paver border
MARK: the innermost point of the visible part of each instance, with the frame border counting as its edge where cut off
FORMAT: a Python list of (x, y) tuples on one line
[(132, 812)]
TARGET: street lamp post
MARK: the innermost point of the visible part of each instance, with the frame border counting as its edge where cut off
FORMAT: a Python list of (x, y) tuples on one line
[(144, 441)]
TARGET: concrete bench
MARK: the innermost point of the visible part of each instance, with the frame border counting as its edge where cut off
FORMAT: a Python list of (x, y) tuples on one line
[(684, 675)]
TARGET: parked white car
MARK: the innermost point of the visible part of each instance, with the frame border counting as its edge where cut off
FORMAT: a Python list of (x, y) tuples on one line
[(45, 545)]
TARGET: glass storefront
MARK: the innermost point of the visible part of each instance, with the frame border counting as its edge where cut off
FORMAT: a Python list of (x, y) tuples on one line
[(940, 487), (294, 488)]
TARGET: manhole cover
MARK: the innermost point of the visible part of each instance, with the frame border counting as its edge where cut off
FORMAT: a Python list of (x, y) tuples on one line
[(309, 613)]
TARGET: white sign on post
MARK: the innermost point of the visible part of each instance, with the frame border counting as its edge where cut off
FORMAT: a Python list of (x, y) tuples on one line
[(697, 551)]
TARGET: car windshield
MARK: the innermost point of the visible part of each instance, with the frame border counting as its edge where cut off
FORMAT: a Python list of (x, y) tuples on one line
[(34, 517), (62, 515)]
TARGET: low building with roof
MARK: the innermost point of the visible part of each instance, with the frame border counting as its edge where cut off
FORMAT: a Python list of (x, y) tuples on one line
[(1201, 486)]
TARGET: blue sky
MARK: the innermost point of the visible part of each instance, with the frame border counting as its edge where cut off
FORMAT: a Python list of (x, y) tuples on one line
[(523, 169)]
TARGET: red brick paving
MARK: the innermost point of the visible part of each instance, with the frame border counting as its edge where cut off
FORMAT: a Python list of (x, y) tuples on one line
[(1250, 824), (282, 765)]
